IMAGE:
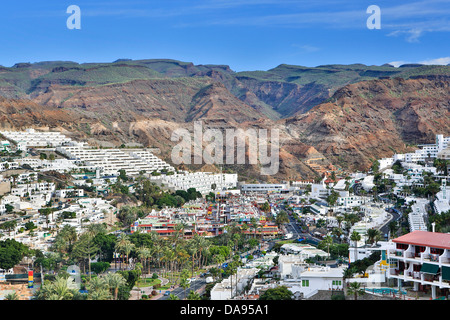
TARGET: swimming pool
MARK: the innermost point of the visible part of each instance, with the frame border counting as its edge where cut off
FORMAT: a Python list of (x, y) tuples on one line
[(384, 290)]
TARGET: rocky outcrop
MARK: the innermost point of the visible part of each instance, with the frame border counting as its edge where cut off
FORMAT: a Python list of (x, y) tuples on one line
[(376, 118)]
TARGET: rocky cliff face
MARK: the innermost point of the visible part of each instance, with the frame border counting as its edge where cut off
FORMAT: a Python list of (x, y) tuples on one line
[(177, 100), (360, 122), (372, 119)]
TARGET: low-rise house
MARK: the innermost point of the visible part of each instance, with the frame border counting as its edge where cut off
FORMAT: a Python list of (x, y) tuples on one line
[(308, 281)]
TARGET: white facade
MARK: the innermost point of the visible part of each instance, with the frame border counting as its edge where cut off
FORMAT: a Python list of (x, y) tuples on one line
[(203, 182), (33, 138), (350, 201), (33, 188), (264, 188), (431, 150), (442, 202), (224, 290), (64, 193), (59, 165), (418, 215), (8, 165), (111, 161), (312, 279), (319, 190)]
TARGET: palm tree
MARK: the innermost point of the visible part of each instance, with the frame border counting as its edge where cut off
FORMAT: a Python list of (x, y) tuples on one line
[(101, 294), (355, 237), (179, 234), (193, 251), (203, 244), (98, 289), (144, 253), (338, 233), (94, 229), (12, 296), (124, 245), (56, 290), (127, 248), (182, 256), (115, 281), (393, 227), (328, 241), (254, 224), (339, 220), (173, 297), (219, 259), (184, 283), (194, 296), (355, 289), (373, 235)]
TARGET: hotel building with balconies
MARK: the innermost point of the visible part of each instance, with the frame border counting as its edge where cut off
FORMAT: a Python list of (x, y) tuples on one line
[(423, 259)]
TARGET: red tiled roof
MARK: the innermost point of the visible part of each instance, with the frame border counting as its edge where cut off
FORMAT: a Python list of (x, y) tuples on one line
[(426, 239)]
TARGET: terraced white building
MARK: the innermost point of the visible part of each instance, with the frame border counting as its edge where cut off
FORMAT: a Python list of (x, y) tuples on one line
[(111, 161), (33, 138)]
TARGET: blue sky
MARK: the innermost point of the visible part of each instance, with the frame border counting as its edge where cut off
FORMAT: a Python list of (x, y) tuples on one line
[(244, 34)]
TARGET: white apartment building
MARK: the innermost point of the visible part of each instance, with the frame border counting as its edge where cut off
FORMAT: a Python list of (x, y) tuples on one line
[(298, 252), (111, 161), (365, 250), (318, 209), (422, 259), (24, 190), (226, 290), (426, 150), (418, 215), (33, 138), (442, 202), (203, 182), (348, 201), (444, 154), (69, 193), (8, 165), (264, 188), (59, 165), (155, 163), (319, 190)]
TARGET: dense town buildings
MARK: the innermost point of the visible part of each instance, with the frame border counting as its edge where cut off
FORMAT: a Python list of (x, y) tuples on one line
[(75, 182)]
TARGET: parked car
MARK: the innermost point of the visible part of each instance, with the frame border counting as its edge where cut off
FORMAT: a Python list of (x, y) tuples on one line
[(167, 293)]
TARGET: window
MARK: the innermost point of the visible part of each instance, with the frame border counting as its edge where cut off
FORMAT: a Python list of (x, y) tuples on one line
[(305, 283), (436, 251), (337, 282)]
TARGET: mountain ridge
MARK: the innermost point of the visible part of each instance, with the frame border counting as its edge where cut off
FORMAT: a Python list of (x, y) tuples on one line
[(331, 125)]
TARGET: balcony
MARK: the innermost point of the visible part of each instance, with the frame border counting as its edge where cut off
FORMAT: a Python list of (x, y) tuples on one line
[(396, 273), (413, 275), (445, 260), (431, 279), (396, 252), (431, 257), (411, 255)]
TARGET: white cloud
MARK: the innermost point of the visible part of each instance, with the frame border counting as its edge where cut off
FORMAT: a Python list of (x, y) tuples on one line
[(398, 63), (439, 61), (412, 35)]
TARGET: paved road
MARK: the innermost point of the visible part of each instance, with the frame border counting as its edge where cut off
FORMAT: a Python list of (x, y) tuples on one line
[(296, 230), (179, 291)]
